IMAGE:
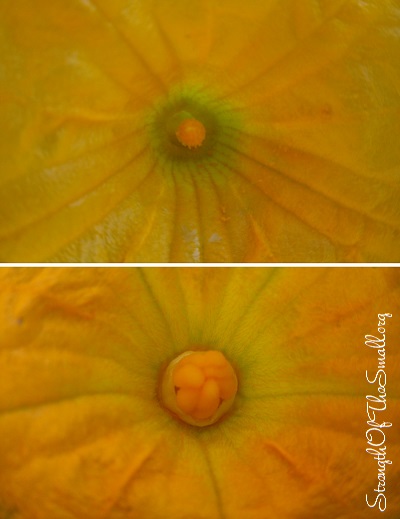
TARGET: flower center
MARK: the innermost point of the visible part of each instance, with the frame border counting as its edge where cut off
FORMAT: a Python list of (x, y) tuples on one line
[(199, 387), (186, 130), (191, 127), (191, 133)]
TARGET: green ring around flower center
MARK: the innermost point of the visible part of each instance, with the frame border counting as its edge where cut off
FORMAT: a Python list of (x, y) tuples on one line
[(220, 120)]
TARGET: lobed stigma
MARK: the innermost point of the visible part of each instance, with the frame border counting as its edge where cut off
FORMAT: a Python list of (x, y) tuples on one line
[(199, 387)]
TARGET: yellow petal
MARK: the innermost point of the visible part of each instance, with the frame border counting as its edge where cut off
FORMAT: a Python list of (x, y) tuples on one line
[(300, 162), (83, 433)]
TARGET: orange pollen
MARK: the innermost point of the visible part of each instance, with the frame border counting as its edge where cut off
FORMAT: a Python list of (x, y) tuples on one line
[(191, 133), (199, 387)]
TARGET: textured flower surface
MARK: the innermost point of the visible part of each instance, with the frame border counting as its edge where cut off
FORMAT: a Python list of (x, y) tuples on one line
[(84, 434), (220, 130)]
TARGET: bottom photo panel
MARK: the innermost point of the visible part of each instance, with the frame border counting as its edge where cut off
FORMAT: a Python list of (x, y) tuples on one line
[(199, 393)]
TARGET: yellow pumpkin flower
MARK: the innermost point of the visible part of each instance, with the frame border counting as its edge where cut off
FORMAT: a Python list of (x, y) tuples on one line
[(91, 429), (201, 130)]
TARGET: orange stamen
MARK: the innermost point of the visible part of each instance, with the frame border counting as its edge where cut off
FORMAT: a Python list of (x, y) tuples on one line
[(191, 133)]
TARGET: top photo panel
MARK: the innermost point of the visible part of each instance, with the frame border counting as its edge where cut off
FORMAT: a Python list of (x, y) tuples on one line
[(199, 131)]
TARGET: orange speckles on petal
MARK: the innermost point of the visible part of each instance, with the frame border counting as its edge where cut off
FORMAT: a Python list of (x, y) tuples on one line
[(199, 387), (191, 133)]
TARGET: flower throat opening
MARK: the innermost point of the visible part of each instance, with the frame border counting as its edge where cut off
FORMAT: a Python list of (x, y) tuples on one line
[(199, 387)]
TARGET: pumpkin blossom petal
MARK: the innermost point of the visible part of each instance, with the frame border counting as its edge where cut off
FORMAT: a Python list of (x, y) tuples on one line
[(289, 151), (85, 434)]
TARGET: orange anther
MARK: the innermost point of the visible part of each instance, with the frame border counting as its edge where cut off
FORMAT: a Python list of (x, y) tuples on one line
[(191, 133)]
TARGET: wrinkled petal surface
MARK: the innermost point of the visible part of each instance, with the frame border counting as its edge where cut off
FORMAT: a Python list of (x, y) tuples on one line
[(303, 103), (84, 435)]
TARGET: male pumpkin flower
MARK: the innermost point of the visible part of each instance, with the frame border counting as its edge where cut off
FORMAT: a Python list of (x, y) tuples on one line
[(201, 130), (91, 429)]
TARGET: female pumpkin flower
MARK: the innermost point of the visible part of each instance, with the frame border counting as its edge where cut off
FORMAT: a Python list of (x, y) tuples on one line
[(90, 428), (202, 130)]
